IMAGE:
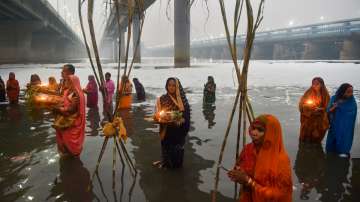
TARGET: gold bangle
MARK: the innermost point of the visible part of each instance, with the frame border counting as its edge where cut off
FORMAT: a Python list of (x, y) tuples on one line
[(249, 182), (253, 184)]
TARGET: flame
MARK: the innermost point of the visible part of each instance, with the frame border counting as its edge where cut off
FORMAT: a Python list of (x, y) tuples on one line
[(309, 102), (41, 98), (43, 84), (162, 113)]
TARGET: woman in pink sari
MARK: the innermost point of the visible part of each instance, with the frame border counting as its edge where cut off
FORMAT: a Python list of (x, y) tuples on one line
[(91, 91), (70, 140)]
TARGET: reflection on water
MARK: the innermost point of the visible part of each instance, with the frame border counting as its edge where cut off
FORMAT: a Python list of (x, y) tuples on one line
[(72, 182), (335, 183), (309, 176), (209, 114), (327, 174), (93, 118)]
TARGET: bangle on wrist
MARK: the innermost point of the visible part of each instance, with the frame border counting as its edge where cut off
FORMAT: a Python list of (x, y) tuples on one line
[(251, 182)]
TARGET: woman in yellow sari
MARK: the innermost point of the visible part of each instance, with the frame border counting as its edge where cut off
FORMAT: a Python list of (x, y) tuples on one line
[(312, 106), (263, 167)]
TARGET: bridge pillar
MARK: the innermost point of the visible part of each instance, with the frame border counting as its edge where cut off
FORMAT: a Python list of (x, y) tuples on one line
[(350, 50), (262, 52), (284, 52), (136, 34), (182, 33), (320, 50)]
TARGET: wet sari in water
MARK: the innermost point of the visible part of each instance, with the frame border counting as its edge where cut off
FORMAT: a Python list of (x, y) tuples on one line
[(209, 92), (270, 167), (13, 90), (2, 91), (314, 124), (140, 91), (91, 93), (126, 97), (71, 139), (173, 136), (342, 125)]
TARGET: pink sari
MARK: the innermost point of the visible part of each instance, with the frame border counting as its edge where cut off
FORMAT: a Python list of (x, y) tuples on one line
[(72, 139), (92, 93)]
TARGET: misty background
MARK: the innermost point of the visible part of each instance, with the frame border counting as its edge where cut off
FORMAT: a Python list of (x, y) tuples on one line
[(206, 20)]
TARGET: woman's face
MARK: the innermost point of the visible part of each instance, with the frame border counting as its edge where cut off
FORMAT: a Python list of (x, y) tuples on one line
[(316, 85), (171, 87), (68, 84), (348, 92), (257, 135)]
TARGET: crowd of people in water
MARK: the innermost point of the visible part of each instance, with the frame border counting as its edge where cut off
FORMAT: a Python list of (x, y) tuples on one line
[(263, 166)]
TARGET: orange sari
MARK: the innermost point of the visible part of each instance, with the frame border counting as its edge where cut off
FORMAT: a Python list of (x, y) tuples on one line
[(125, 100), (269, 168), (13, 90), (314, 124)]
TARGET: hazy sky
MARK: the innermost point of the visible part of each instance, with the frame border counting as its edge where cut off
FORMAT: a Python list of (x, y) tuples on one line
[(278, 14)]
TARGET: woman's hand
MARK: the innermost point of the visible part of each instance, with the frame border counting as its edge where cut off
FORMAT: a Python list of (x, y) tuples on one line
[(238, 176)]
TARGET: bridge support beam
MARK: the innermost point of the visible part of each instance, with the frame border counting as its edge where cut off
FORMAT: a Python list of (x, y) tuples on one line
[(262, 52), (182, 33), (136, 34), (284, 52), (350, 50), (320, 51)]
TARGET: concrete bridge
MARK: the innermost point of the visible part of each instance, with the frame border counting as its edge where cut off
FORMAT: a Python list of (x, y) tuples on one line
[(338, 40), (32, 31), (111, 36), (109, 46)]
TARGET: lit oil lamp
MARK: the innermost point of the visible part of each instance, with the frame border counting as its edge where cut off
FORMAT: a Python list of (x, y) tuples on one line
[(309, 102), (41, 98)]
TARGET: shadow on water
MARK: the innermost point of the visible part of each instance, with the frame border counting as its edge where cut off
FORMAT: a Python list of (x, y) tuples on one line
[(327, 174)]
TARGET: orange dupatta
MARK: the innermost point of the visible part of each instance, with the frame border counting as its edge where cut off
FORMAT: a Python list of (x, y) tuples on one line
[(272, 172)]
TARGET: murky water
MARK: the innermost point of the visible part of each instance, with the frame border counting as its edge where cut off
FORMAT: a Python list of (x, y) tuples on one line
[(30, 169)]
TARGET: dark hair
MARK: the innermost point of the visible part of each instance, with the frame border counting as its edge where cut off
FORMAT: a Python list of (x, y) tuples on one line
[(107, 74), (168, 80), (341, 91), (70, 68)]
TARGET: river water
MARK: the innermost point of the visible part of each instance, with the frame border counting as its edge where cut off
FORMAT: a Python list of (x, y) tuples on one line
[(31, 170)]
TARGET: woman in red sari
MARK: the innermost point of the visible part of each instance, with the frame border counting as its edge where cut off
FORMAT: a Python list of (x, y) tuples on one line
[(263, 167), (12, 89), (312, 106), (70, 140)]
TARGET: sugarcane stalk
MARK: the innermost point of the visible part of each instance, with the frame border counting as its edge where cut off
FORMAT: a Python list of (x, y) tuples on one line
[(114, 163)]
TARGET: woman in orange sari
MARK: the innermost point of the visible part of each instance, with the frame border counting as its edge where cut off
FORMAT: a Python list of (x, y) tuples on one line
[(125, 93), (263, 167), (12, 89), (312, 106), (70, 140)]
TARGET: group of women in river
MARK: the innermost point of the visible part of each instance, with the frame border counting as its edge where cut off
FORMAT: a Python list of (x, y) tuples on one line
[(335, 115), (263, 166)]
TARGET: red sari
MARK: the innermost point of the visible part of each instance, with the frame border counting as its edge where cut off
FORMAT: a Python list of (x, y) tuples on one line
[(270, 167), (314, 124), (71, 139)]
